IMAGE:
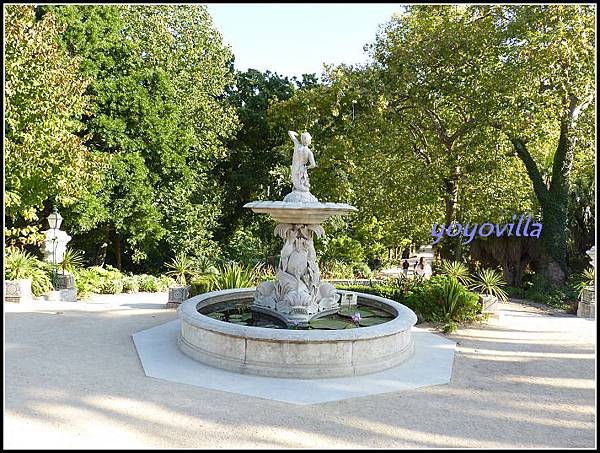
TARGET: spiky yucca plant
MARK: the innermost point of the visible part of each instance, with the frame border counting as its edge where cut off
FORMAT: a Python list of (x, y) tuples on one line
[(451, 295), (490, 282), (457, 270), (234, 275), (587, 278), (182, 268), (72, 259)]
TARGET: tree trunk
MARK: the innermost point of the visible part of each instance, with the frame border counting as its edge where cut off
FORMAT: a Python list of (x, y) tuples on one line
[(448, 246), (459, 244), (552, 264), (118, 250), (101, 252)]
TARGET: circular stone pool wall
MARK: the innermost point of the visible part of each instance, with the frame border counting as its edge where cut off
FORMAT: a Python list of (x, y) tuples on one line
[(302, 354)]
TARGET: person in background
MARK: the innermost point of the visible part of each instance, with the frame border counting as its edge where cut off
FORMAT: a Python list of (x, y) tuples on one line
[(405, 266), (423, 269), (420, 268), (427, 270)]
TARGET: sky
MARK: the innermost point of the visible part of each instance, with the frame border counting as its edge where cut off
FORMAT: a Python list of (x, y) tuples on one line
[(293, 39)]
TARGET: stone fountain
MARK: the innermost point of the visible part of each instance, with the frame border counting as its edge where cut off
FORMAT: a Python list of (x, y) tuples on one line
[(298, 294), (296, 297)]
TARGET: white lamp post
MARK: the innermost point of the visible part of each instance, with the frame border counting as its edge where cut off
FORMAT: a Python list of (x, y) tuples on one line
[(54, 221), (54, 249)]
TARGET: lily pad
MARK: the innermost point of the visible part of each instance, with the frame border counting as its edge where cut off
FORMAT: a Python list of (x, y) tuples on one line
[(329, 324), (242, 308), (372, 321), (368, 312), (217, 315)]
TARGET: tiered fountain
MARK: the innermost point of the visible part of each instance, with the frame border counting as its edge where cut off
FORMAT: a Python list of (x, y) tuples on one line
[(293, 302), (298, 295)]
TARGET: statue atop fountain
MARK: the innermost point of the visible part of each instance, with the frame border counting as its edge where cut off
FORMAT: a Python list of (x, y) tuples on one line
[(298, 295), (302, 160)]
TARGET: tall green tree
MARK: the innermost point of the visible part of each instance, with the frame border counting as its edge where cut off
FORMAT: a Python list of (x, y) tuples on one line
[(46, 162), (435, 61), (159, 74), (246, 171), (546, 85)]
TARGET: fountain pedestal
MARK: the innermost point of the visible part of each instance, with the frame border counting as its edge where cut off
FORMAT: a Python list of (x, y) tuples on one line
[(298, 294)]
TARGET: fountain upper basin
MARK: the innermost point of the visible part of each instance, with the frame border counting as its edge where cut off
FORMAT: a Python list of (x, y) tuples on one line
[(299, 212)]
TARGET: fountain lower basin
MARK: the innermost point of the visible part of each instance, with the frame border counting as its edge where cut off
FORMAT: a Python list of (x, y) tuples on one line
[(288, 353)]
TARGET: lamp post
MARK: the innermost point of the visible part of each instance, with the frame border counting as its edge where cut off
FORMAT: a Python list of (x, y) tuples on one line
[(54, 221)]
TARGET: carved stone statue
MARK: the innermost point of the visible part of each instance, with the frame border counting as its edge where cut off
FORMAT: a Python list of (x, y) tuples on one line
[(302, 156), (302, 160)]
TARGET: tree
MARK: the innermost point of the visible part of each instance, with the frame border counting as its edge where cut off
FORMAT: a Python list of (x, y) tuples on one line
[(435, 62), (246, 171), (46, 161), (360, 158), (159, 74), (549, 84)]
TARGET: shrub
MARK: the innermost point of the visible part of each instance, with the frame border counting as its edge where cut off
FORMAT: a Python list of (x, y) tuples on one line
[(203, 265), (148, 283), (362, 270), (437, 299), (491, 282), (164, 281), (200, 285), (130, 285), (112, 287), (87, 281), (563, 298), (234, 275), (182, 269), (96, 279), (41, 283), (586, 278), (19, 264), (335, 269), (457, 270), (344, 249), (245, 247)]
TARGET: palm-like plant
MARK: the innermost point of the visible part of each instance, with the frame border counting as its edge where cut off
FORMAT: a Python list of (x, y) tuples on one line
[(587, 279), (18, 264), (72, 259), (451, 295), (204, 266), (182, 268), (457, 270), (234, 275), (490, 282)]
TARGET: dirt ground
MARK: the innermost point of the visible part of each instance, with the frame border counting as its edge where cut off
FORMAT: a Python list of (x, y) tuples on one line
[(73, 380)]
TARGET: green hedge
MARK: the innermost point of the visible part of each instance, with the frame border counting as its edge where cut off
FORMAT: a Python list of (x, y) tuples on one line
[(425, 298)]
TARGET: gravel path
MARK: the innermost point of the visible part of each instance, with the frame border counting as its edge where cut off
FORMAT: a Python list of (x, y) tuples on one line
[(73, 380)]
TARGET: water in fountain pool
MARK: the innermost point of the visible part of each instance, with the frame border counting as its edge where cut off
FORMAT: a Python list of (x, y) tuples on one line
[(348, 317)]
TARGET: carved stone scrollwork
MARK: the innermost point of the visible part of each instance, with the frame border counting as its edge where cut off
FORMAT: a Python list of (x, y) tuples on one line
[(297, 293)]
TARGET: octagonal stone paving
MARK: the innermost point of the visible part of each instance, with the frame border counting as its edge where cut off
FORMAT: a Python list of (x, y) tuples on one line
[(431, 364)]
